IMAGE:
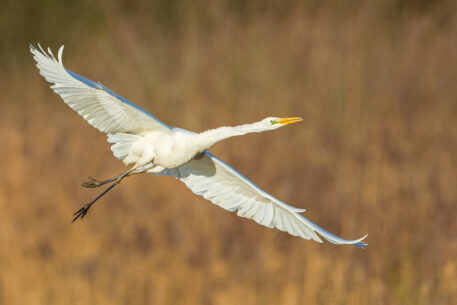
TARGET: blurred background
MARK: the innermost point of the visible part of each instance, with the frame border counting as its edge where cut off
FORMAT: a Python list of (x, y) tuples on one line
[(375, 82)]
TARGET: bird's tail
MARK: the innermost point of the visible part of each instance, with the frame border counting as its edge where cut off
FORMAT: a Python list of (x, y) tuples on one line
[(122, 143)]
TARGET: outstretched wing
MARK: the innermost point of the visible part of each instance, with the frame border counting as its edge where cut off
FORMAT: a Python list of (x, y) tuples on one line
[(98, 105), (218, 182)]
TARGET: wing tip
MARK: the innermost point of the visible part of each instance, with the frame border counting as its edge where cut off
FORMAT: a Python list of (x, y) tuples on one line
[(360, 243), (59, 54), (35, 51), (40, 51)]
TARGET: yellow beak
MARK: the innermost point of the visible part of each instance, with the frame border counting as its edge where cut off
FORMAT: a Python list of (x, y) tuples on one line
[(289, 120)]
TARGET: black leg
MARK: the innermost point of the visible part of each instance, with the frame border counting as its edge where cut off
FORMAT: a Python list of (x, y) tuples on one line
[(92, 182), (82, 211)]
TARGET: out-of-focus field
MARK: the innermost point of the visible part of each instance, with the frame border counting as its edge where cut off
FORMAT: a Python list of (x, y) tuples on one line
[(376, 153)]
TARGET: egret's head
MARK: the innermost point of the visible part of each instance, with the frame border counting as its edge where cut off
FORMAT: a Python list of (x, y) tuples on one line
[(274, 123)]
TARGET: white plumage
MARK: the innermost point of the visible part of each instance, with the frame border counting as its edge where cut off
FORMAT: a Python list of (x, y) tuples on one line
[(103, 110), (152, 146)]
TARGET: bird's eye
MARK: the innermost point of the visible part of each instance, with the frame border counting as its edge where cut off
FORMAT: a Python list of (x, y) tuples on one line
[(273, 122)]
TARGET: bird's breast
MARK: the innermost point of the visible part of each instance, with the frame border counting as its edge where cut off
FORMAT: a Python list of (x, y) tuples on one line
[(171, 151)]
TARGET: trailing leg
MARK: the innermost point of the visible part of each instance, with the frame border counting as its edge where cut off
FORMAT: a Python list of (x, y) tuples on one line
[(83, 211), (92, 182)]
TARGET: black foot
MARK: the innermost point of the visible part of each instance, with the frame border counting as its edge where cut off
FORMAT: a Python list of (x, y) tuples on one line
[(91, 183), (81, 212)]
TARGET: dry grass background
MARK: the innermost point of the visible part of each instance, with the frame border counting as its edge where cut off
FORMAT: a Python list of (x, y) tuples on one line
[(376, 153)]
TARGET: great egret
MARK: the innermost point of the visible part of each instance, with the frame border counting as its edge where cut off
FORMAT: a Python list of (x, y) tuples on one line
[(152, 146)]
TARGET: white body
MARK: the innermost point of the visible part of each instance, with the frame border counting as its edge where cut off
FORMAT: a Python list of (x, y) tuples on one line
[(141, 139), (175, 147), (167, 150)]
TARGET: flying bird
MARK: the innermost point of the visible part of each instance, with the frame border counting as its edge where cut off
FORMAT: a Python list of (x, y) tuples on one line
[(149, 145)]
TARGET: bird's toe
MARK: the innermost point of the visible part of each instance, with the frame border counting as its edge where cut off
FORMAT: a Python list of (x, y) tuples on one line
[(91, 183), (81, 212)]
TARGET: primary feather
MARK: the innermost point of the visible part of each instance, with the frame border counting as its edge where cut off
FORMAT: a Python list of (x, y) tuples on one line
[(140, 138), (215, 180), (99, 106)]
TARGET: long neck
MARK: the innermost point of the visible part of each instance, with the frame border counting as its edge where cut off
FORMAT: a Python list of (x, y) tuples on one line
[(210, 137)]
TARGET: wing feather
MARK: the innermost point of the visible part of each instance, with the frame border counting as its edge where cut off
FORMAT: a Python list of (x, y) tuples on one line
[(99, 106), (218, 182)]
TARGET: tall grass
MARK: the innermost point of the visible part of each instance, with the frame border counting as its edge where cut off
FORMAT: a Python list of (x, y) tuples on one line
[(376, 153)]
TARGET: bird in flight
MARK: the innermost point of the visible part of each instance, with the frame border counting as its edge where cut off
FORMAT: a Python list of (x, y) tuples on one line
[(148, 145)]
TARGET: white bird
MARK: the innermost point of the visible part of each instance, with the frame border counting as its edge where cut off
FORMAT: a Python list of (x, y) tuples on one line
[(152, 146)]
